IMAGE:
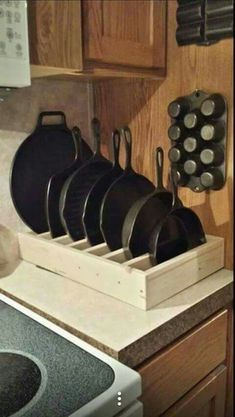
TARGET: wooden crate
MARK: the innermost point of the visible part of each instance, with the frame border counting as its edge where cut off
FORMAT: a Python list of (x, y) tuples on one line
[(134, 281)]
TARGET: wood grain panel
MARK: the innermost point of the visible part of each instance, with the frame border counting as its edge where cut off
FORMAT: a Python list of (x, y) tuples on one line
[(230, 365), (117, 16), (207, 399), (142, 104), (130, 33), (168, 376), (55, 33)]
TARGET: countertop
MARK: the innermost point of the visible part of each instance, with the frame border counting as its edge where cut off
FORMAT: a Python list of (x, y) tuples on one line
[(121, 330)]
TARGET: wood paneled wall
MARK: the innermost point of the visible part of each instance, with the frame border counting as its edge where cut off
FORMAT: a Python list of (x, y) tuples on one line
[(142, 104)]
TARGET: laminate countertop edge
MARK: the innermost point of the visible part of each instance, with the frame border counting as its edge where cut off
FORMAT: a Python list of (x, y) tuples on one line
[(148, 342)]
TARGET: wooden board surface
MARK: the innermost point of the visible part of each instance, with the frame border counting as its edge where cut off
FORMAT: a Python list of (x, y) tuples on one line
[(130, 32), (131, 281), (230, 365), (142, 104), (207, 399), (55, 37), (169, 375)]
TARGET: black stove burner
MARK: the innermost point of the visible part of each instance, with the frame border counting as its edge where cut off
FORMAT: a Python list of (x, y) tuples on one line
[(43, 378), (20, 379)]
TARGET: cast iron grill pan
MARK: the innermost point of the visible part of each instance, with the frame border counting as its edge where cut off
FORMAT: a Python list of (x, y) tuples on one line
[(91, 214), (48, 150), (77, 187), (57, 181)]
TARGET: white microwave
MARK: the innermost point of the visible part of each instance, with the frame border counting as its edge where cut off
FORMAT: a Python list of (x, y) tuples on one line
[(14, 46)]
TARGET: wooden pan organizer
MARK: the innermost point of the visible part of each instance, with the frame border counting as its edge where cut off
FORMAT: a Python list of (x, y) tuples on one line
[(135, 281)]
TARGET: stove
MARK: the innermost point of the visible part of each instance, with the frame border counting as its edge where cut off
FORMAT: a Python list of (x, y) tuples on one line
[(47, 372)]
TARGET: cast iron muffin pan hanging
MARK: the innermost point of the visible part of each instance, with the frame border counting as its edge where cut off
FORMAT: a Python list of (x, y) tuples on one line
[(198, 139)]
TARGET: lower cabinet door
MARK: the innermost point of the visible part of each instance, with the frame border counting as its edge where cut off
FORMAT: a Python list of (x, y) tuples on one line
[(206, 399)]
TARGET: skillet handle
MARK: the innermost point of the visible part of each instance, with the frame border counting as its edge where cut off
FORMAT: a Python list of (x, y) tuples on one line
[(116, 140), (77, 138), (95, 124), (160, 165), (175, 199), (51, 114), (126, 132)]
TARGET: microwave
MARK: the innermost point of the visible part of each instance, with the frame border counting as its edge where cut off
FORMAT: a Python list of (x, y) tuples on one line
[(14, 47)]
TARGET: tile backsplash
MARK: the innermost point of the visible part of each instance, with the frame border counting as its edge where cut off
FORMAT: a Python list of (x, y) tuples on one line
[(18, 117)]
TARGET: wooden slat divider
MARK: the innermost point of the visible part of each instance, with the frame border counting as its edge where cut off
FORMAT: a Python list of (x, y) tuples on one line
[(141, 262), (98, 250), (64, 240), (116, 256), (80, 244)]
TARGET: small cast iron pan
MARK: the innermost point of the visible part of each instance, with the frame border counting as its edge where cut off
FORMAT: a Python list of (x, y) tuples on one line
[(57, 181), (48, 150), (180, 231), (146, 213), (78, 185), (91, 213), (120, 196)]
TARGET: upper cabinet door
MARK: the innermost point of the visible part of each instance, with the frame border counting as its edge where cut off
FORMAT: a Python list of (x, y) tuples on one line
[(125, 32)]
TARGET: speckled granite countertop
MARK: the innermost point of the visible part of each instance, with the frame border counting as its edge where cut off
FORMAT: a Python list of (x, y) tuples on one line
[(124, 332)]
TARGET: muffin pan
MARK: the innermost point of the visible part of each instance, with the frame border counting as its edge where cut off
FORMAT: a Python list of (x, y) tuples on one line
[(198, 140)]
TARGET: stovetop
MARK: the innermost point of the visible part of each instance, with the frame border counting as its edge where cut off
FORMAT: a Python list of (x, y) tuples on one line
[(42, 374)]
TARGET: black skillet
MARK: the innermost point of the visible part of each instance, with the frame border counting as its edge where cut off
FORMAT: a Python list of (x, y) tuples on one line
[(76, 189), (145, 214), (91, 213), (121, 195), (48, 150), (180, 231), (57, 181)]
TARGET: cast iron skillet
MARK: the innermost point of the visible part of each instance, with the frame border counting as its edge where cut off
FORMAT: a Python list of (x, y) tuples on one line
[(178, 232), (48, 150), (78, 185), (91, 213), (121, 195), (146, 213), (57, 181)]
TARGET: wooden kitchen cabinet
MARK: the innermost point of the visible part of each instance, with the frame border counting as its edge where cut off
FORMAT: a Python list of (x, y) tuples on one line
[(207, 399), (98, 38), (189, 378)]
